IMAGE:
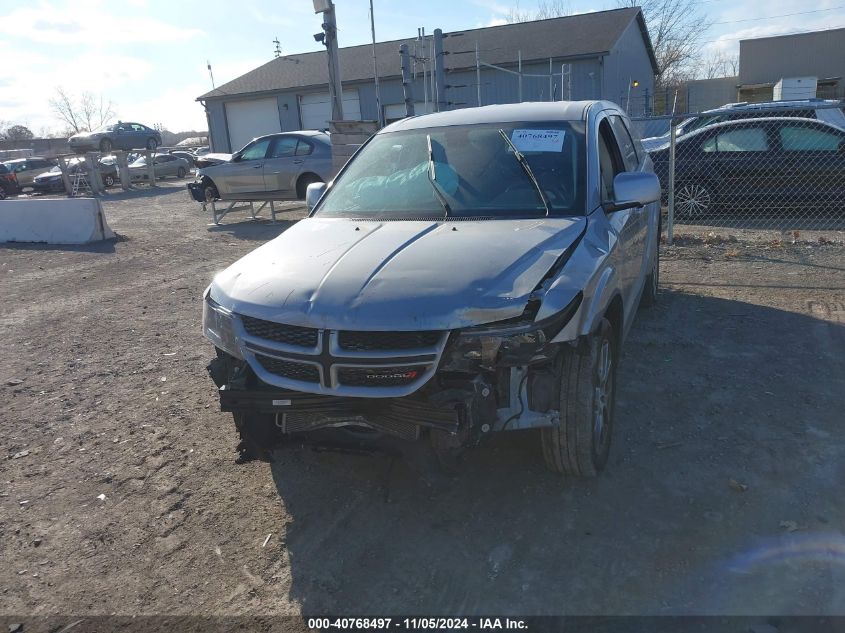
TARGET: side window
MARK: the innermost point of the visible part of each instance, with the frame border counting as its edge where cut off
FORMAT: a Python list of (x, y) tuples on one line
[(255, 150), (304, 148), (283, 146), (752, 139), (795, 138), (610, 160), (626, 143)]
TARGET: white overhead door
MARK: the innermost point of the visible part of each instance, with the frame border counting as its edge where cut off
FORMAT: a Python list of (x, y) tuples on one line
[(316, 109), (248, 119), (396, 111)]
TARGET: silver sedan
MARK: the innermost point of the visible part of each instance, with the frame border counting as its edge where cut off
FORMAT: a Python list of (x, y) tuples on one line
[(163, 164), (278, 166)]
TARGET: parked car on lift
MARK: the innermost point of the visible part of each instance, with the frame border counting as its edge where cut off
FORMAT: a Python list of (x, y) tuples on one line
[(278, 165), (804, 108), (8, 182), (765, 163), (163, 165), (121, 135), (51, 181), (26, 169)]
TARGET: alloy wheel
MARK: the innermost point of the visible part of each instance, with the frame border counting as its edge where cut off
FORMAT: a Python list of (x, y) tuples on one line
[(693, 201)]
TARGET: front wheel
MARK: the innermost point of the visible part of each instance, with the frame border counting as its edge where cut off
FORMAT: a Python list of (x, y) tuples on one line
[(210, 192), (580, 445), (649, 297), (108, 180), (181, 173), (105, 145)]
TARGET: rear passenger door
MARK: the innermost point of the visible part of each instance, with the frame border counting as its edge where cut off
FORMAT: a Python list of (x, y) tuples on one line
[(282, 165), (813, 156)]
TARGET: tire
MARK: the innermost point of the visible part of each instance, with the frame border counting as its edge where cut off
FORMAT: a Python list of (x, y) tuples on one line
[(2, 193), (181, 173), (303, 182), (692, 201), (210, 191), (108, 180), (581, 444), (152, 144), (106, 145), (649, 296)]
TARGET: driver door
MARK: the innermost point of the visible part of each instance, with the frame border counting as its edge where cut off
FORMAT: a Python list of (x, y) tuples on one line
[(627, 224), (245, 174)]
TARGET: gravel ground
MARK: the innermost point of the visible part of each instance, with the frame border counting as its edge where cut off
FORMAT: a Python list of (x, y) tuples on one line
[(119, 491)]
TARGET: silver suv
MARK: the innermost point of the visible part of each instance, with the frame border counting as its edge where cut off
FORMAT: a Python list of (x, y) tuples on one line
[(467, 273)]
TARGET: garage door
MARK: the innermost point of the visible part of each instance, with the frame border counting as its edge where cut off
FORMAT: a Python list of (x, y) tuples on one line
[(316, 109), (248, 119), (396, 111)]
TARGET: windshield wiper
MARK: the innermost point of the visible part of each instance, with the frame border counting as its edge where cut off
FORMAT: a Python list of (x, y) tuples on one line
[(432, 176), (527, 169)]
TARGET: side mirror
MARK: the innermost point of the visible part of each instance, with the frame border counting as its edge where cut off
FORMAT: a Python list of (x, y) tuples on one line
[(634, 189), (313, 194)]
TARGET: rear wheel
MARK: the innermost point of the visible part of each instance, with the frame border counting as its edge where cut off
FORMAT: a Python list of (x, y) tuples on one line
[(649, 296), (581, 444), (303, 182), (181, 173), (108, 180), (693, 201), (152, 144)]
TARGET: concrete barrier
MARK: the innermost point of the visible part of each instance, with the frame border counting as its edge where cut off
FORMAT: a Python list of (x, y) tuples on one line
[(53, 221)]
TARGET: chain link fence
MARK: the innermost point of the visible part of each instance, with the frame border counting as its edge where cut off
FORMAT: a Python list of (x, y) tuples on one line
[(774, 168)]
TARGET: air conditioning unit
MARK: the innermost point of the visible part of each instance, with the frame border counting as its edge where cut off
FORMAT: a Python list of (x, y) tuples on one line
[(795, 88)]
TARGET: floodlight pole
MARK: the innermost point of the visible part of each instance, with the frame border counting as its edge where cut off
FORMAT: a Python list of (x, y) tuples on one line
[(375, 66)]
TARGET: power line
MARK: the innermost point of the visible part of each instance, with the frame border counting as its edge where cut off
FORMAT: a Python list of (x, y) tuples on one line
[(772, 17)]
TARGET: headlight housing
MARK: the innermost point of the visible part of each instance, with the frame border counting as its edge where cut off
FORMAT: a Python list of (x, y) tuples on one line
[(516, 342), (218, 326)]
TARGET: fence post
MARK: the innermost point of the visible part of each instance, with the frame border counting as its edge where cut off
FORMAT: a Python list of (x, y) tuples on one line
[(670, 219), (439, 72), (519, 59), (477, 74)]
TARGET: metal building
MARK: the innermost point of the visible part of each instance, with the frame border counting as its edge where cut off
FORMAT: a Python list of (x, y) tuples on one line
[(601, 55), (764, 61)]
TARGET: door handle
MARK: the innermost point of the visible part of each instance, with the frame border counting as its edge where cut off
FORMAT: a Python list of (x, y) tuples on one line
[(298, 161), (258, 166)]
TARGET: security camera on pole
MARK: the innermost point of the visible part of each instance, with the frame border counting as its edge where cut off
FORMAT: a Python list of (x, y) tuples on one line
[(329, 38)]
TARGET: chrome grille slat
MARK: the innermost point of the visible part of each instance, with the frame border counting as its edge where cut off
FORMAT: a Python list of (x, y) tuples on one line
[(342, 362)]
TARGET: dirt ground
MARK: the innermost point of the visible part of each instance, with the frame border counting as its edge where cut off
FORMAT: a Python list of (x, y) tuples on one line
[(119, 491)]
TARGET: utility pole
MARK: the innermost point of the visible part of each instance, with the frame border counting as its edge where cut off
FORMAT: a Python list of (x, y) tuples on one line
[(440, 102), (407, 86), (375, 66), (329, 38)]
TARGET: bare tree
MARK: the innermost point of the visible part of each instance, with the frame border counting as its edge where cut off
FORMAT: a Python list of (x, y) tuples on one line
[(676, 28), (719, 65), (84, 114), (546, 9), (18, 133)]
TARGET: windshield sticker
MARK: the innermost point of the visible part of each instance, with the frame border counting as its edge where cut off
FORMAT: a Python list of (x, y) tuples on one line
[(538, 140)]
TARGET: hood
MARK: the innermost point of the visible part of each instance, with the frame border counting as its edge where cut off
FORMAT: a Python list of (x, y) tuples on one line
[(211, 160), (48, 175), (396, 275), (85, 135)]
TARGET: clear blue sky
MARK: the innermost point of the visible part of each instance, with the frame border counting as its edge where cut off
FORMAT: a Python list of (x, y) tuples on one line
[(149, 56)]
